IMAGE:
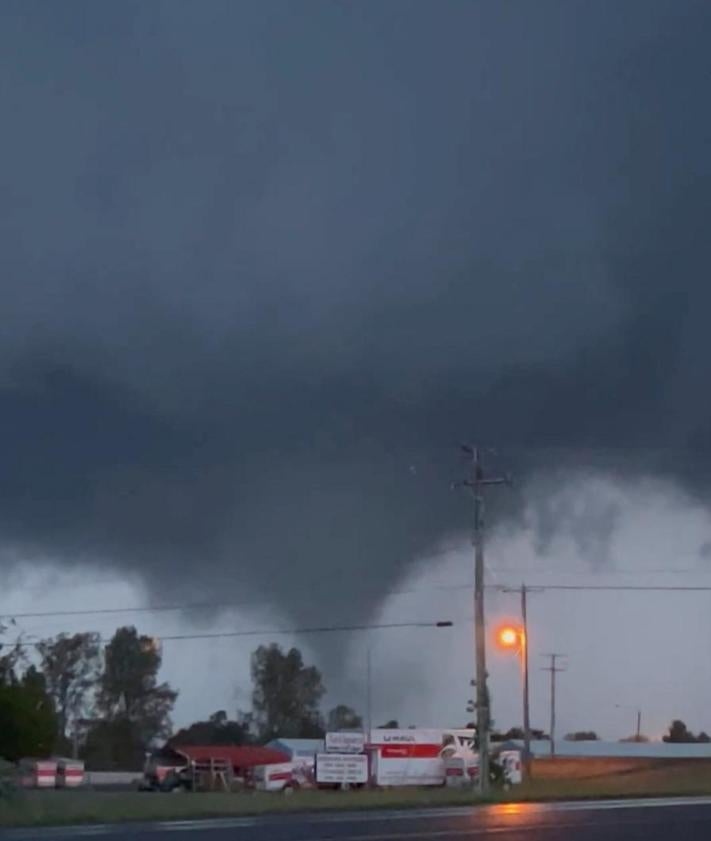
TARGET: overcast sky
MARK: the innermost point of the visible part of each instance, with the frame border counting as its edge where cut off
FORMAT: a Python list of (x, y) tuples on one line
[(265, 264)]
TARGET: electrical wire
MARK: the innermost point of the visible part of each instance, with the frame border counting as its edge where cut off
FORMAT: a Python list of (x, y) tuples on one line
[(659, 588), (256, 632), (197, 606)]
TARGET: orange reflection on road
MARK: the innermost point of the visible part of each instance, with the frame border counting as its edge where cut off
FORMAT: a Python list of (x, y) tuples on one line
[(515, 810), (509, 808)]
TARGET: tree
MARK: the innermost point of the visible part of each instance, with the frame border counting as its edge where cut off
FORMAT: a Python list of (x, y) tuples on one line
[(635, 738), (71, 665), (344, 718), (286, 694), (582, 736), (28, 725), (678, 732), (513, 733), (130, 697), (389, 725), (217, 730), (11, 656), (113, 745), (516, 733)]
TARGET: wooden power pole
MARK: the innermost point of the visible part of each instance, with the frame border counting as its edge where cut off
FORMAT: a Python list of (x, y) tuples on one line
[(476, 482), (524, 591), (553, 669)]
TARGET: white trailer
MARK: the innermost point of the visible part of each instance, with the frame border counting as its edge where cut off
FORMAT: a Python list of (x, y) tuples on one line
[(284, 776), (416, 757)]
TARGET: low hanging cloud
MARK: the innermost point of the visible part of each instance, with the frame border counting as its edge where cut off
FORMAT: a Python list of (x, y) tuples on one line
[(616, 643), (262, 270)]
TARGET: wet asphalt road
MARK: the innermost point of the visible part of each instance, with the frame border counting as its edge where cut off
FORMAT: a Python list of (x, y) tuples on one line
[(659, 820)]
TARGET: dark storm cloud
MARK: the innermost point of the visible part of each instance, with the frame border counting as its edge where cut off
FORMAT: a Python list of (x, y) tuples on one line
[(265, 264)]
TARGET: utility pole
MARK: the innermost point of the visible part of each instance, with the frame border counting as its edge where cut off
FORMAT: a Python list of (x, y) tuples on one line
[(524, 591), (638, 716), (553, 669), (526, 711), (476, 482), (369, 697)]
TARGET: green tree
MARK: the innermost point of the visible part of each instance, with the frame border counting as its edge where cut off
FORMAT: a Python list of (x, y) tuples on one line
[(28, 725), (71, 665), (114, 745), (11, 656), (343, 717), (582, 736), (286, 694), (130, 699), (678, 732), (217, 730), (515, 733)]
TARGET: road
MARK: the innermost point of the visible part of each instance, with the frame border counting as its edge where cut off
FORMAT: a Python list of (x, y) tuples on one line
[(653, 820)]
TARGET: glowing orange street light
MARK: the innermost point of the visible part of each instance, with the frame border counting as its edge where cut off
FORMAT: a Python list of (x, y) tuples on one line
[(509, 637)]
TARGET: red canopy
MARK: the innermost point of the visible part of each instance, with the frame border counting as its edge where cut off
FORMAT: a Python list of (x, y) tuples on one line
[(240, 757)]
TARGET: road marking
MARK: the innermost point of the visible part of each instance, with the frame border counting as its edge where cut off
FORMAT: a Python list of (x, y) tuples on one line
[(604, 805)]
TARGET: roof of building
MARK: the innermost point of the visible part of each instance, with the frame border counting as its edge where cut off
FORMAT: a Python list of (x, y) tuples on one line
[(298, 747), (245, 756)]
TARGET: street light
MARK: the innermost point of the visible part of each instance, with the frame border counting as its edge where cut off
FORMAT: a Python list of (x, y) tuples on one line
[(514, 638), (509, 637)]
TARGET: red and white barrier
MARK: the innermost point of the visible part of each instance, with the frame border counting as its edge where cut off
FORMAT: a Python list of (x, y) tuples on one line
[(38, 773), (70, 773)]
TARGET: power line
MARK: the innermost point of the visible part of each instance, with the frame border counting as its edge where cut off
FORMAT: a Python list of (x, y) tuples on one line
[(662, 588), (186, 606), (255, 632), (598, 573), (502, 588)]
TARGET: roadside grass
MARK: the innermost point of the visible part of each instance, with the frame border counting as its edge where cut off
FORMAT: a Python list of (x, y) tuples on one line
[(70, 807), (572, 779), (553, 780)]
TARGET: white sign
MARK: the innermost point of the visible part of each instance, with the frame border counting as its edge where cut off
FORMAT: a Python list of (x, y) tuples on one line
[(342, 768), (353, 742), (408, 772), (406, 737)]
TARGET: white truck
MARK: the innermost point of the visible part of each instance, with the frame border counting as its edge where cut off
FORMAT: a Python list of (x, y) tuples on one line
[(418, 756)]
